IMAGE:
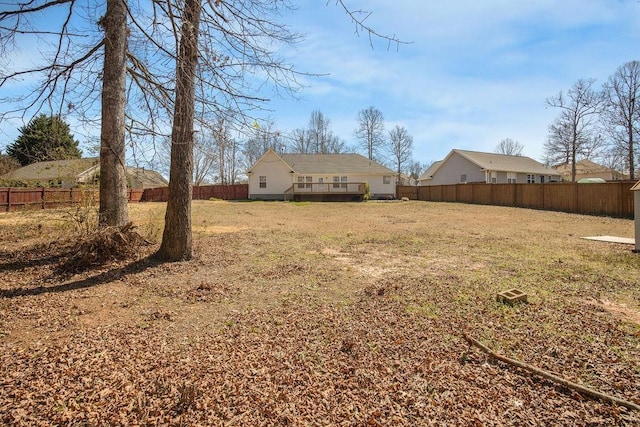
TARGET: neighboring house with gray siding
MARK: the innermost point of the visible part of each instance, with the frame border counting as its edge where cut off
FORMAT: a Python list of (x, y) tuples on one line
[(462, 166), (318, 177)]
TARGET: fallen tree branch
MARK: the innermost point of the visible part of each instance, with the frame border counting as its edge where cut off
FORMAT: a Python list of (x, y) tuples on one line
[(551, 377)]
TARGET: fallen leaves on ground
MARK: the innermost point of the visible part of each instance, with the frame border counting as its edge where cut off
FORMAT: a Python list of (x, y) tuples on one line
[(297, 338)]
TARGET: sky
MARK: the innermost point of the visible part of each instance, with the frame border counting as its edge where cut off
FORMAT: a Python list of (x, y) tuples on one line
[(472, 73)]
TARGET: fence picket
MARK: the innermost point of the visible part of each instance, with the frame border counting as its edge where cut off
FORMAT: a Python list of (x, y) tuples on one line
[(607, 199), (45, 198)]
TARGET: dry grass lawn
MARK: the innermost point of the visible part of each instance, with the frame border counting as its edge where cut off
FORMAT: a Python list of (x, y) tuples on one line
[(320, 314)]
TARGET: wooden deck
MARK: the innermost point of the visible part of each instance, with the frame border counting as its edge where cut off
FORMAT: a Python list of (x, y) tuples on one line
[(326, 192)]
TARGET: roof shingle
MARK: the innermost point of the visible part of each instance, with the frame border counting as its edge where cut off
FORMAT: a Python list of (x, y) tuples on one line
[(334, 163)]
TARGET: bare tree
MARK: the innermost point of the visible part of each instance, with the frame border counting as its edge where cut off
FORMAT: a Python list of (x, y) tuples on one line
[(321, 138), (236, 39), (621, 115), (228, 151), (70, 79), (318, 132), (204, 157), (113, 209), (557, 147), (300, 141), (614, 159), (416, 169), (177, 240), (261, 139), (509, 147), (179, 72), (370, 131), (576, 122), (400, 148)]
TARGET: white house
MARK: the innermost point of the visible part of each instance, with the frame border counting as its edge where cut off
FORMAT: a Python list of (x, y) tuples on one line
[(462, 166), (319, 177)]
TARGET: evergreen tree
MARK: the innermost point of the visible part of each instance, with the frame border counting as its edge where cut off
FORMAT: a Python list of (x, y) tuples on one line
[(44, 138)]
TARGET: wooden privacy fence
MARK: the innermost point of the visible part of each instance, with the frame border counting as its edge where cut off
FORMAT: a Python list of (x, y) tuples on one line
[(607, 199), (12, 199), (203, 192)]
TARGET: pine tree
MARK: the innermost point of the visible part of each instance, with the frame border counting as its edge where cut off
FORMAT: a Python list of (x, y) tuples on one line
[(44, 138)]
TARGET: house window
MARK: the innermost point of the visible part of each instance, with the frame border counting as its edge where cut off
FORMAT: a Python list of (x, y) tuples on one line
[(542, 179), (512, 177), (305, 182), (386, 179), (263, 181), (463, 177), (494, 177), (531, 178), (339, 182)]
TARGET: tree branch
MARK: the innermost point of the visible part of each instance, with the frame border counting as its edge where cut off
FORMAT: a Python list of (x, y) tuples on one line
[(554, 378), (362, 26), (23, 9)]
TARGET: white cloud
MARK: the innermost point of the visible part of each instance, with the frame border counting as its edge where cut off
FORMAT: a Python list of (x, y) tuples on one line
[(476, 72)]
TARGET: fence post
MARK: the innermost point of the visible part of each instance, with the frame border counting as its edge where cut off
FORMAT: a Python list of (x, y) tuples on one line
[(9, 200), (621, 198), (43, 198)]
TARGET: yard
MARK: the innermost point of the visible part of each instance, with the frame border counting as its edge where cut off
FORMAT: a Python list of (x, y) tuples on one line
[(321, 314)]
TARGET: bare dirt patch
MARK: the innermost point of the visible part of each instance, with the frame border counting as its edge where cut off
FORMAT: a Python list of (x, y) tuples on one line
[(321, 314), (621, 310)]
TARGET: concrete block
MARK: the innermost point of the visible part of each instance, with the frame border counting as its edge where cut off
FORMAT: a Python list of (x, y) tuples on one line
[(511, 296)]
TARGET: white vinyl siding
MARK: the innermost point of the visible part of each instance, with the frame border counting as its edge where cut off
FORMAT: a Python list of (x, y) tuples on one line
[(276, 178), (280, 177)]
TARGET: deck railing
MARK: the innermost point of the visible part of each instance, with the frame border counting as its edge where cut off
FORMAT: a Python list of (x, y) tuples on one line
[(327, 187)]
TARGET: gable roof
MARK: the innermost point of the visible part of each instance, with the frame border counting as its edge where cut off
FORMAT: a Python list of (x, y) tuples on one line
[(145, 178), (53, 169), (354, 164), (269, 152), (506, 163), (428, 174), (582, 167), (500, 162), (81, 171)]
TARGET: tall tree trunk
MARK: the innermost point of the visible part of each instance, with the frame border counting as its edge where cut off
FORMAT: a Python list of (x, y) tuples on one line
[(177, 242), (113, 177)]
